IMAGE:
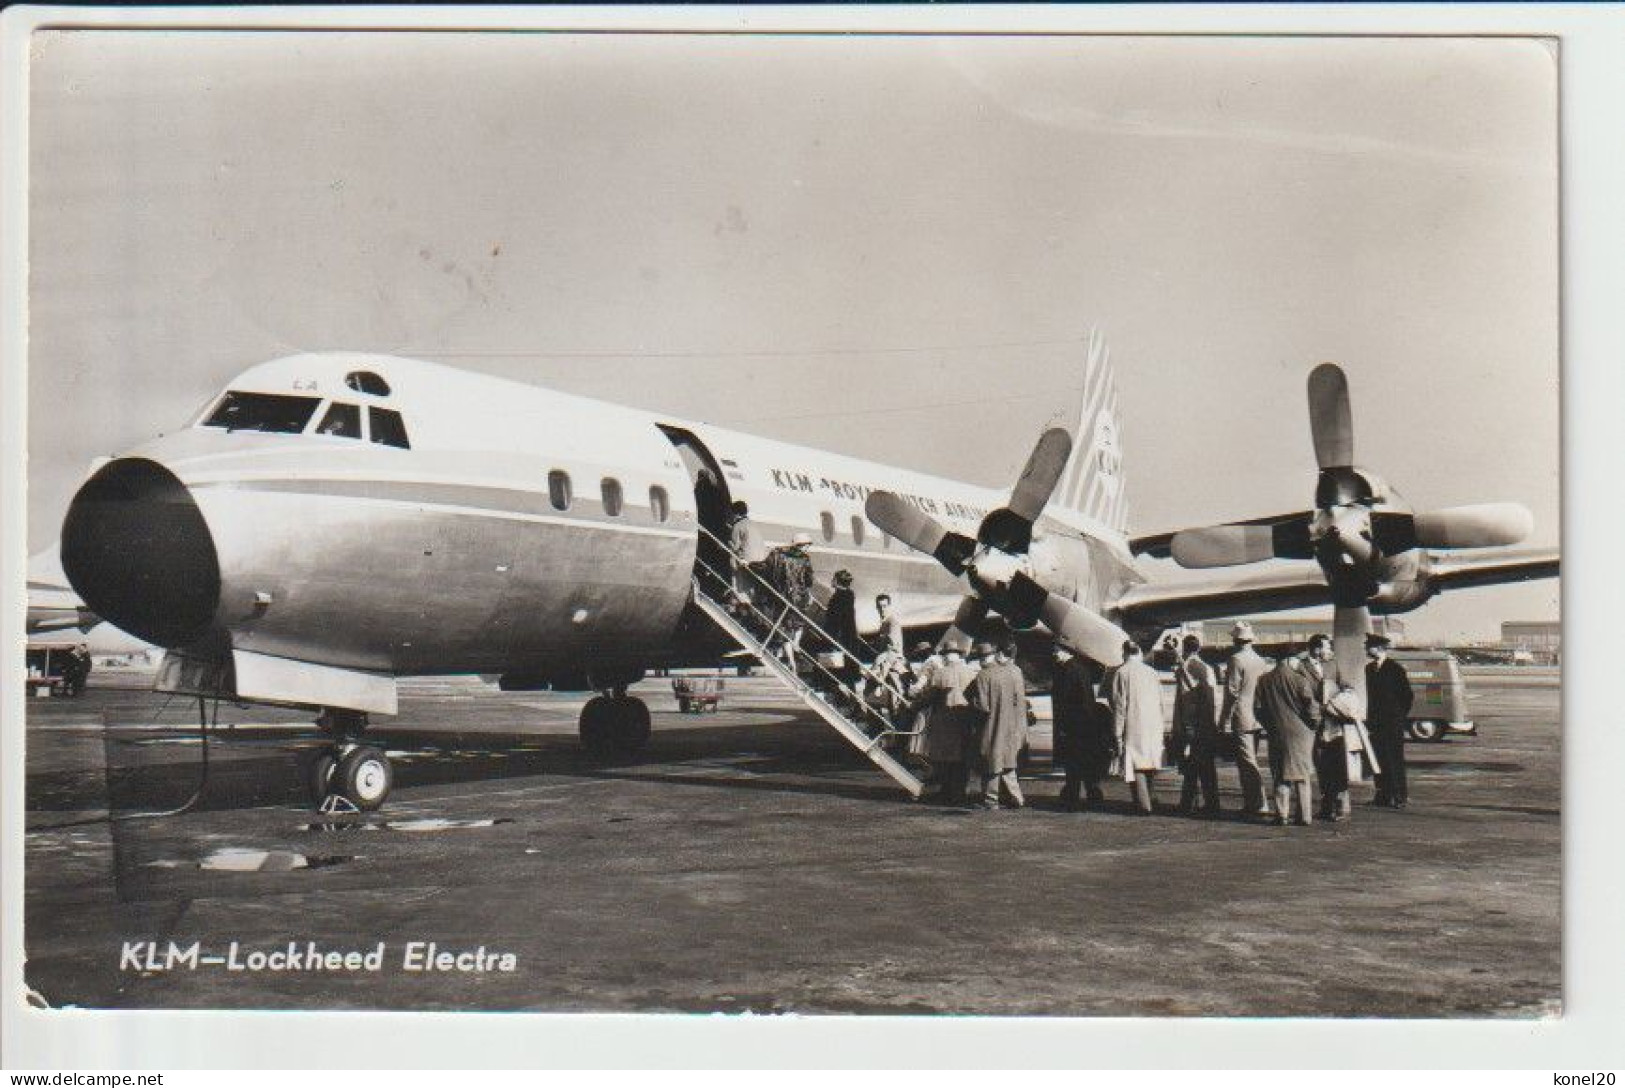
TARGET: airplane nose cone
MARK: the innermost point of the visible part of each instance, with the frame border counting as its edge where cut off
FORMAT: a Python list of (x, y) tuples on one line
[(135, 547)]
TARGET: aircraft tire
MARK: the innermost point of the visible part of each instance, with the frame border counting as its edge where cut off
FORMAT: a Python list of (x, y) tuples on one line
[(365, 777), (322, 773), (614, 727)]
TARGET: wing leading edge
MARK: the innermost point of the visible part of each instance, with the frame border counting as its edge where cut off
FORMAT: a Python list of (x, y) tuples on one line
[(1168, 604)]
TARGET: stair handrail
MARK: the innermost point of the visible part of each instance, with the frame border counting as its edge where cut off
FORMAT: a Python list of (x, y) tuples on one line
[(888, 727)]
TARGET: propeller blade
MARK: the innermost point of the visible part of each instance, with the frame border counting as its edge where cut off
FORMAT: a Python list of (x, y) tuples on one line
[(1223, 546), (1331, 421), (1349, 628), (1086, 632), (1010, 528), (1040, 475), (919, 530), (1281, 537), (967, 623), (1486, 525)]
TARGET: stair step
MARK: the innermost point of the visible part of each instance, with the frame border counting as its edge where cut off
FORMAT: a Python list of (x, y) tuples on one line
[(848, 729)]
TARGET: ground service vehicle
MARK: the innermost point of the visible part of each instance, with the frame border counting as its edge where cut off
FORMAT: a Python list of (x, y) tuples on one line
[(1440, 704)]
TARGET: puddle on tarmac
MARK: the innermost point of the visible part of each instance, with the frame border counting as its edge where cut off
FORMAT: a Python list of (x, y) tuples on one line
[(237, 860), (426, 824)]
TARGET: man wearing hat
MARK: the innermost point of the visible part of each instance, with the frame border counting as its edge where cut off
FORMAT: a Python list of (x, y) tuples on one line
[(1196, 727), (1388, 711), (1083, 738), (949, 721), (1000, 693), (1239, 722)]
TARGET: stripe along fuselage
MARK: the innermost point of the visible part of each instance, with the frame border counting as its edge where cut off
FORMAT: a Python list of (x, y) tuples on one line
[(396, 517)]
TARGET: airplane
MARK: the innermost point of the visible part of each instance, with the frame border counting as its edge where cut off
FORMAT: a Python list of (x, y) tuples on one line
[(53, 607), (333, 521)]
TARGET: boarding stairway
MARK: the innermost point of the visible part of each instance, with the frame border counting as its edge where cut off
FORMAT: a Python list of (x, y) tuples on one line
[(759, 625)]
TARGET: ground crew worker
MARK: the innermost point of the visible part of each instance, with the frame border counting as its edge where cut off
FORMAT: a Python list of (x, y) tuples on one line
[(949, 722), (1083, 736), (1388, 713), (77, 670), (1239, 722), (1137, 724), (999, 692), (1196, 727), (1289, 706)]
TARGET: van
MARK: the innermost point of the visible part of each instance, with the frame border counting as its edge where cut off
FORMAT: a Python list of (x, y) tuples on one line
[(1439, 703)]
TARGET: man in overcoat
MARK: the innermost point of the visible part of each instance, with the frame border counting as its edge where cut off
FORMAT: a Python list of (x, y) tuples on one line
[(1388, 712), (950, 722), (1083, 736), (999, 692), (1136, 698), (1238, 722), (1289, 706), (1196, 725)]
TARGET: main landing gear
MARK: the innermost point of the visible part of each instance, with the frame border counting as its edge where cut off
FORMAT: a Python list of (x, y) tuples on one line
[(348, 776), (615, 725)]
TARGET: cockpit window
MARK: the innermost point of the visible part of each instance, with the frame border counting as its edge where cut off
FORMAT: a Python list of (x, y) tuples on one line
[(387, 428), (273, 412), (341, 421), (365, 381)]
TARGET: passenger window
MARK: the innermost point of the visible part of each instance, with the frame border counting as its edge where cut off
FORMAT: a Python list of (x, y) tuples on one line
[(857, 530), (387, 428), (611, 491), (272, 412), (558, 489), (827, 520), (341, 421), (659, 504)]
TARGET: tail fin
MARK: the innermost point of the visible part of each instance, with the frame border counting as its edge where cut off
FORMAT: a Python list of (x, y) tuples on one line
[(1093, 481)]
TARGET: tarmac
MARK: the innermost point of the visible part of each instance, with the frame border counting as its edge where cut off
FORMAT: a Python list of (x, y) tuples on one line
[(750, 861)]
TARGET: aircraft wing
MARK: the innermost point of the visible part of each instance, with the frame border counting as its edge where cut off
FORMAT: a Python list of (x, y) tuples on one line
[(1463, 571), (1168, 604), (1302, 585)]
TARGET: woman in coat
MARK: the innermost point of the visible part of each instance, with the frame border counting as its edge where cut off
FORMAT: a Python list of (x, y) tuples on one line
[(1136, 698)]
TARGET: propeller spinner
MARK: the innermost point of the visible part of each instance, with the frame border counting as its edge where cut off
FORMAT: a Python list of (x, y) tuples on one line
[(995, 565)]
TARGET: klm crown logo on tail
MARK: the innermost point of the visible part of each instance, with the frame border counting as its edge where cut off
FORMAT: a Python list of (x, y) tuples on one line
[(1093, 483)]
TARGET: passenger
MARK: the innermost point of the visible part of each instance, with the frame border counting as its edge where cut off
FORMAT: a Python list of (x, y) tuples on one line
[(1239, 723), (1289, 706), (790, 572), (749, 555), (949, 720), (1136, 700), (1340, 730), (923, 660), (1388, 713), (841, 624), (1196, 728), (890, 666), (1082, 732), (999, 692)]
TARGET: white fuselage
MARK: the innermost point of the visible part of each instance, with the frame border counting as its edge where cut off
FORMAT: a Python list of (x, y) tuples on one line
[(519, 529)]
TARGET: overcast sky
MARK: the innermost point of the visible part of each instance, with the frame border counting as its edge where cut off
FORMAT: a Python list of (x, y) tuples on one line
[(890, 247)]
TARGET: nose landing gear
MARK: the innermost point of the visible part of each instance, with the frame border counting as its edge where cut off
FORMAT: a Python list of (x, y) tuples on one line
[(615, 725), (348, 776)]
